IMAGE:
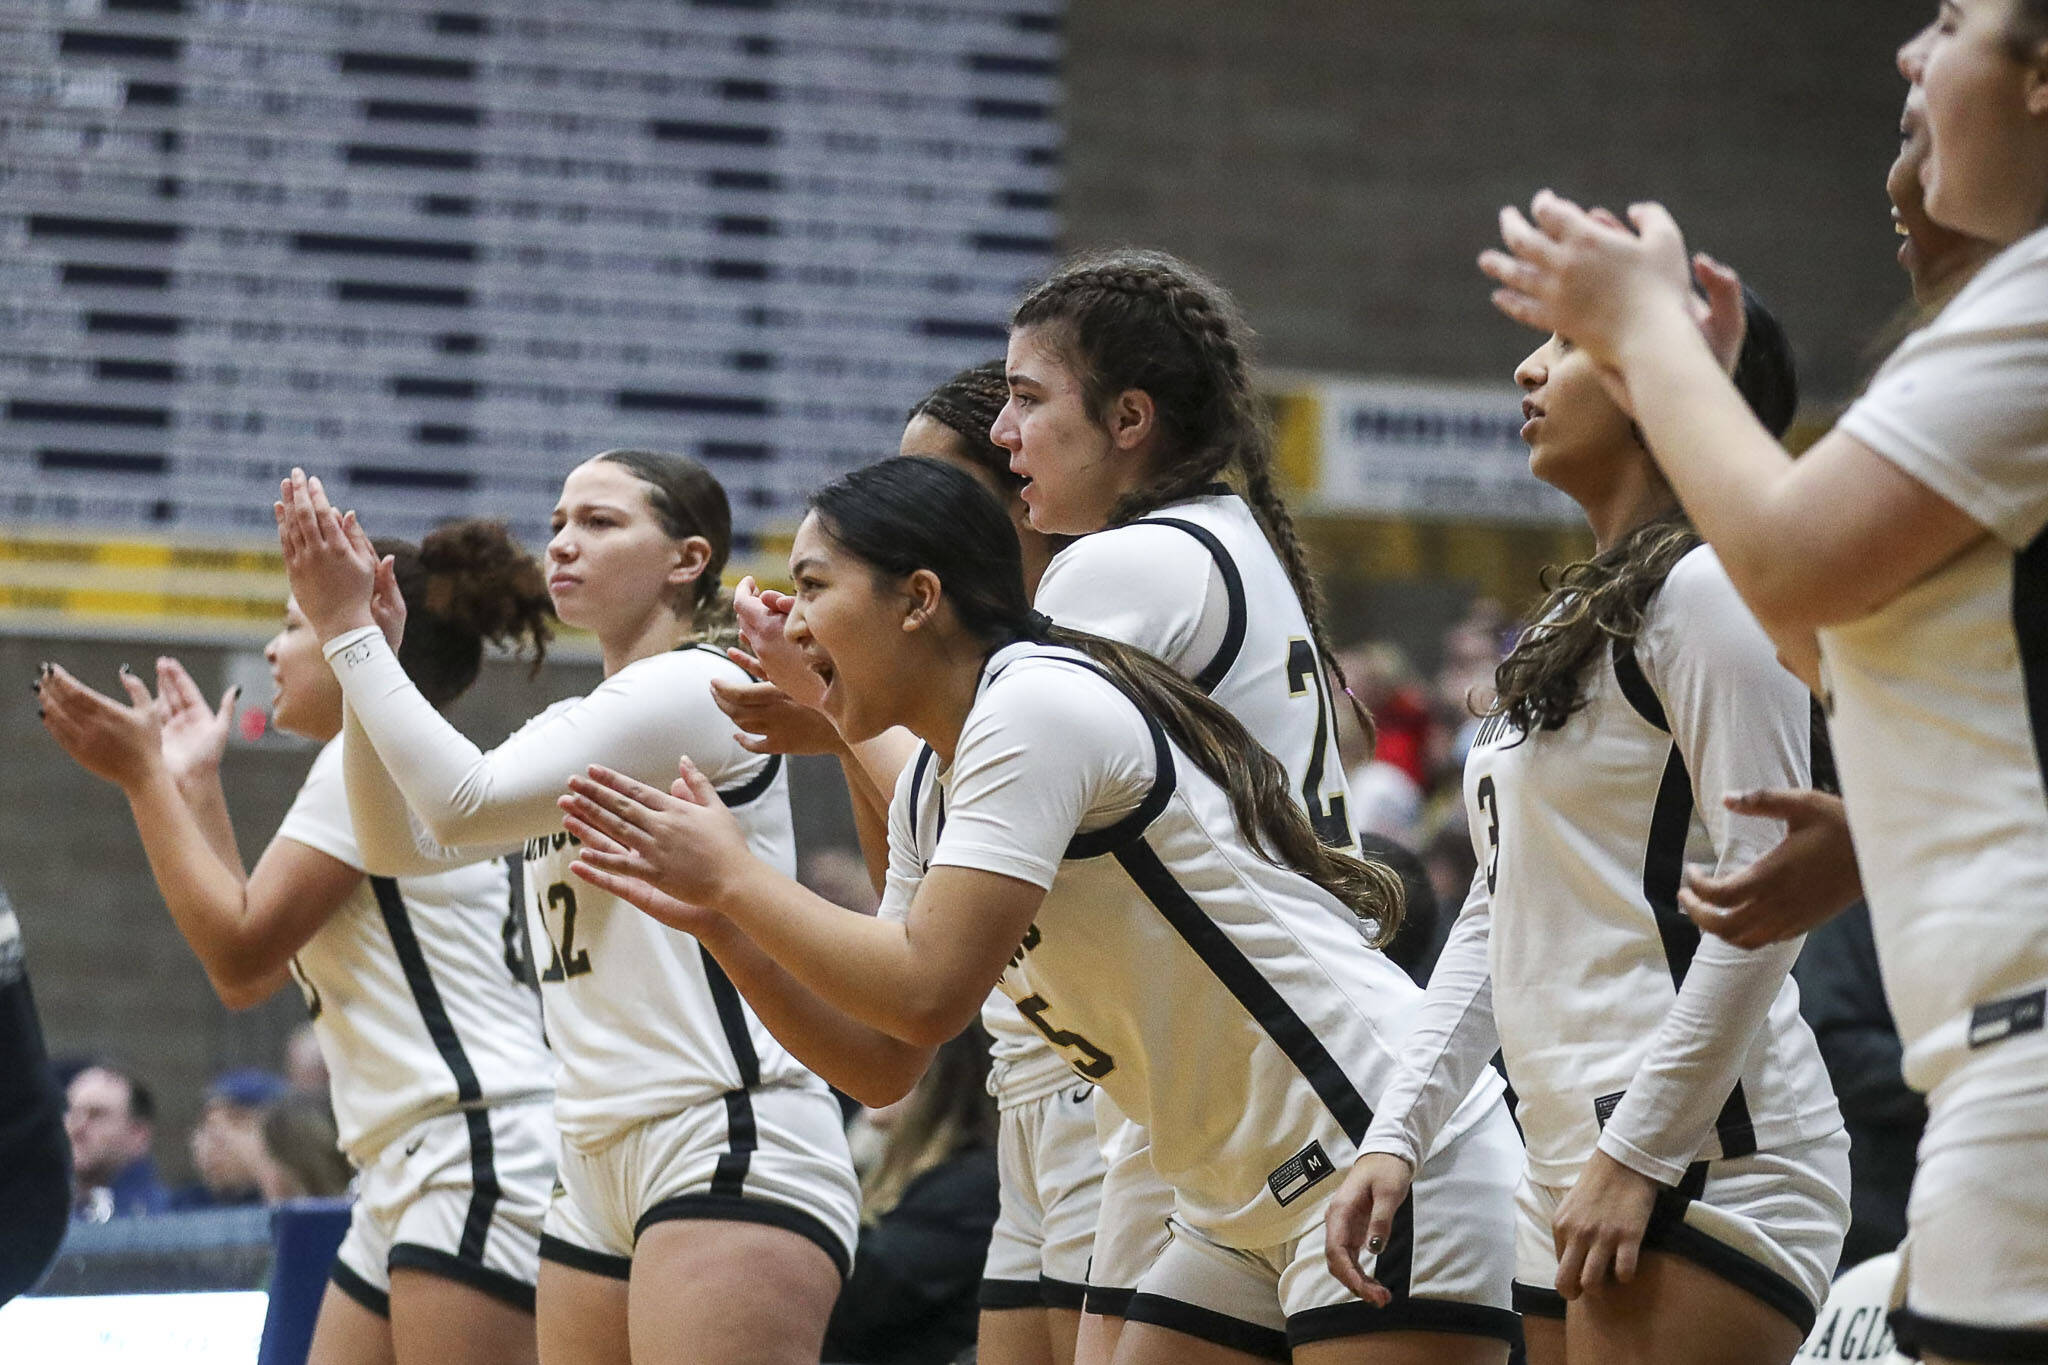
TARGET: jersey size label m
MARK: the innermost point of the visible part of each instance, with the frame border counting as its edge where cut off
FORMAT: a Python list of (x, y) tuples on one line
[(1300, 1173)]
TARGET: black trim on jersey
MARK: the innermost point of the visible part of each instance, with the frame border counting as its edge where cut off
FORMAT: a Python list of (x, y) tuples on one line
[(1243, 980), (1394, 1267), (1916, 1334), (750, 1209), (378, 1301), (1206, 1324), (1668, 1232), (1451, 1317), (1536, 1301), (2030, 636), (1635, 688), (732, 1020), (755, 787), (1109, 1303), (1820, 752), (1063, 1293), (1233, 591), (743, 1135), (483, 1168), (999, 1296), (434, 1261), (1165, 776), (1664, 870), (590, 1262), (917, 774)]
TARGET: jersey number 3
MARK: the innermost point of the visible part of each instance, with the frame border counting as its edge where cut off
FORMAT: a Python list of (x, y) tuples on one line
[(1489, 806), (565, 959), (1326, 811)]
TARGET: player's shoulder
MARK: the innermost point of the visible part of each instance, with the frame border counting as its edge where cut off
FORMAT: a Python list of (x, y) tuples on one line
[(1144, 549)]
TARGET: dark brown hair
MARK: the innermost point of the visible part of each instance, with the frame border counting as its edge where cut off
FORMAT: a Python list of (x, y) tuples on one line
[(1130, 319), (902, 515), (466, 583), (1589, 605), (688, 500), (966, 405)]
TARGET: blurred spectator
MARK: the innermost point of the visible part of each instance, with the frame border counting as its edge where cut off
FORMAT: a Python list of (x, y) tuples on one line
[(1387, 783), (928, 1205), (35, 1159), (227, 1143), (111, 1119), (301, 1150), (1472, 650), (1424, 926), (1451, 864), (305, 1067), (1843, 1000), (840, 875)]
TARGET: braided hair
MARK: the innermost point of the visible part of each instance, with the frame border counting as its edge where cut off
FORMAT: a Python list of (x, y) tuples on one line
[(966, 405), (1131, 319)]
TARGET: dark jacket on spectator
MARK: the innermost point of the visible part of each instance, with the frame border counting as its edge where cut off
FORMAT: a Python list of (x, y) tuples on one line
[(911, 1297), (35, 1154), (1842, 997)]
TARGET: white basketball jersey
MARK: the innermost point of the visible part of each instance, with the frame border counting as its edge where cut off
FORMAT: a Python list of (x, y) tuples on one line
[(642, 1017), (415, 985), (1197, 585), (1940, 697), (1229, 1005), (1582, 834)]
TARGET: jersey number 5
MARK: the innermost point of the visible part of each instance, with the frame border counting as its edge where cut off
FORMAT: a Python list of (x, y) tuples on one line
[(565, 959), (1094, 1063), (1326, 811)]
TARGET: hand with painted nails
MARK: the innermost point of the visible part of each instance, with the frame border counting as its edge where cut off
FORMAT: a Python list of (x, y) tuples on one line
[(1360, 1219), (122, 743), (327, 558), (682, 842), (1590, 277), (194, 734), (1806, 880)]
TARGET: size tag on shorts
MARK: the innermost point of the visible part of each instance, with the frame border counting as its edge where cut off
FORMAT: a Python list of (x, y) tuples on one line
[(1298, 1174), (1996, 1020)]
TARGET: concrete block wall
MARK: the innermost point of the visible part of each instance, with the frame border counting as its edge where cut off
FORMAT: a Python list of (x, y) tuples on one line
[(1339, 162)]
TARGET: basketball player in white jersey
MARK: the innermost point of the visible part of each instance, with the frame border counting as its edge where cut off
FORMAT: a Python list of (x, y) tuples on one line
[(1683, 1136), (1909, 541), (414, 975), (1130, 405), (1049, 1158), (1176, 929), (707, 1204)]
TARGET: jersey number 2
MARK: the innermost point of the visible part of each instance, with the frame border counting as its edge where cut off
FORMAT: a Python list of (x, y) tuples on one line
[(1332, 822), (1094, 1063), (565, 959)]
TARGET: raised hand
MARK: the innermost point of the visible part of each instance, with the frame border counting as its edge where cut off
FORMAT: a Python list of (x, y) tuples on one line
[(120, 743), (762, 616), (682, 841), (1588, 276), (769, 722), (1806, 880), (194, 733), (1359, 1219), (328, 561)]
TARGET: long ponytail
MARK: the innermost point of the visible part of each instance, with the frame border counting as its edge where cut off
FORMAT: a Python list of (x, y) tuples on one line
[(902, 515)]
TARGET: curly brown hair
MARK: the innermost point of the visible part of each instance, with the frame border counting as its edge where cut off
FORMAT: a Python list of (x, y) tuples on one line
[(465, 584)]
